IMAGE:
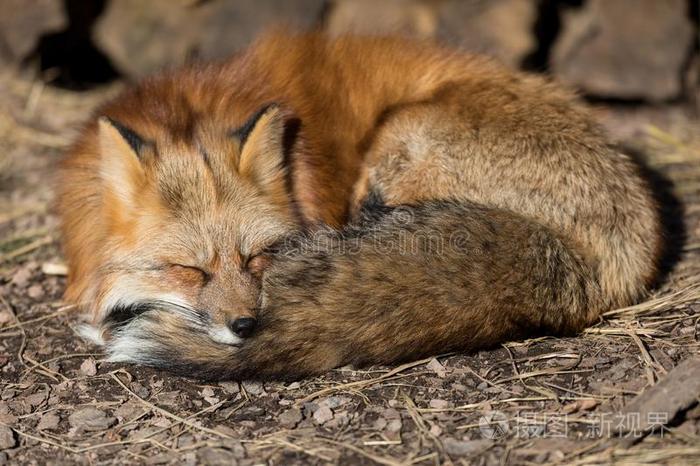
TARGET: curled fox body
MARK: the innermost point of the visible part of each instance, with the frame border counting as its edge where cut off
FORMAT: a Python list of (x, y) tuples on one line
[(314, 202)]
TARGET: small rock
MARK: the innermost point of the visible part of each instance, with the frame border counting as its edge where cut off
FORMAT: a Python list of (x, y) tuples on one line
[(439, 404), (5, 317), (253, 388), (129, 410), (215, 457), (290, 418), (141, 37), (140, 390), (235, 447), (8, 418), (88, 367), (393, 429), (499, 28), (162, 458), (340, 419), (21, 277), (333, 401), (7, 438), (186, 440), (212, 400), (48, 421), (367, 17), (435, 366), (293, 386), (435, 430), (380, 424), (170, 398), (36, 399), (323, 415), (391, 413), (23, 25), (90, 420), (35, 291), (226, 430), (231, 388), (456, 447), (629, 49), (394, 425), (207, 391), (160, 422)]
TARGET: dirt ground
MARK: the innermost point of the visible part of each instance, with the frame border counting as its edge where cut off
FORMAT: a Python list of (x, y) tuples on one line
[(543, 401)]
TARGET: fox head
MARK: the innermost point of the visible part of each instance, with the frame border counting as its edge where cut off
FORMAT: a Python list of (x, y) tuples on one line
[(178, 223)]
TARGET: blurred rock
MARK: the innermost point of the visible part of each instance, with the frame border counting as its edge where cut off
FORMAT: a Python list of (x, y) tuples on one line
[(323, 415), (417, 18), (456, 447), (143, 37), (7, 438), (88, 367), (90, 420), (216, 456), (627, 49), (23, 22), (48, 421), (502, 29), (290, 418)]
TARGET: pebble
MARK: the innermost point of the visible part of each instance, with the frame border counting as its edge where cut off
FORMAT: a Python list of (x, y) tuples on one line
[(435, 366), (323, 415), (21, 277), (215, 456), (7, 438), (90, 419), (48, 421), (456, 447), (88, 367), (253, 388), (230, 388), (35, 291), (394, 425), (290, 418), (439, 404), (391, 413)]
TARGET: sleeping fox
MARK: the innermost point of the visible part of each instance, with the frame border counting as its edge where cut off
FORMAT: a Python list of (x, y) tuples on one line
[(315, 202)]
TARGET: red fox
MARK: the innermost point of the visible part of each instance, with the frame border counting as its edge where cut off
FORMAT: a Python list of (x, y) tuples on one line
[(314, 202)]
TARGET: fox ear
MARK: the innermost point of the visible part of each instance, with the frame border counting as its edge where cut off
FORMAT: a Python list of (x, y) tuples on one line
[(262, 148), (121, 150)]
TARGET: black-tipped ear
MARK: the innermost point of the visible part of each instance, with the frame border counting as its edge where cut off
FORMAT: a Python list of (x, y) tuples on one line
[(244, 131), (135, 141)]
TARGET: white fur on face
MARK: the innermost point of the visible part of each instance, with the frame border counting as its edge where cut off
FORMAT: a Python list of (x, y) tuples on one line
[(222, 334)]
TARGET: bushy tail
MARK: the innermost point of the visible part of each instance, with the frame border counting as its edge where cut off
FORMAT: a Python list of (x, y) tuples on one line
[(400, 283)]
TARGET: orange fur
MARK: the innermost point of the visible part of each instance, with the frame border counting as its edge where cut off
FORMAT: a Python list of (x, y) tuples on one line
[(185, 214)]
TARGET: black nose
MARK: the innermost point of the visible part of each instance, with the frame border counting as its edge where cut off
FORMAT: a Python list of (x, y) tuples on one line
[(243, 326)]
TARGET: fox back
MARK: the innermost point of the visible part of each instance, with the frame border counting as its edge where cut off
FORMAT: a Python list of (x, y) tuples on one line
[(177, 196)]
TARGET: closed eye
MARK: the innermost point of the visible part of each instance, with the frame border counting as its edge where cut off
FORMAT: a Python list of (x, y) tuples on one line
[(206, 276), (256, 264)]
